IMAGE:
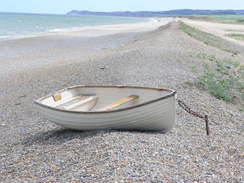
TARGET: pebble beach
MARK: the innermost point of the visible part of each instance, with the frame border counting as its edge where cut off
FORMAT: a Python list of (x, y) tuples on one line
[(32, 149)]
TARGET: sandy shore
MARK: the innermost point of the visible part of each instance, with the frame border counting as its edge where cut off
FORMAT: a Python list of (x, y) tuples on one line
[(218, 29), (49, 49), (35, 150)]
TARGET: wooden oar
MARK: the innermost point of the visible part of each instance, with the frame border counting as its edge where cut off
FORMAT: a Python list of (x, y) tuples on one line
[(119, 102)]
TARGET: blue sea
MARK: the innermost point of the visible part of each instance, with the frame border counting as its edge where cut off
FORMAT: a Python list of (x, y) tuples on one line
[(15, 24)]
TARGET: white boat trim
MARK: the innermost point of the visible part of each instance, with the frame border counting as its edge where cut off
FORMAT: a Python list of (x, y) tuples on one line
[(38, 101)]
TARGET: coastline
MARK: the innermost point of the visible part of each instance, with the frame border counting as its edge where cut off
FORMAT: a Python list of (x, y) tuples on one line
[(149, 24), (159, 54), (49, 49)]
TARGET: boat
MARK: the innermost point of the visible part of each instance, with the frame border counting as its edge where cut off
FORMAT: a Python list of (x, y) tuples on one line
[(110, 107)]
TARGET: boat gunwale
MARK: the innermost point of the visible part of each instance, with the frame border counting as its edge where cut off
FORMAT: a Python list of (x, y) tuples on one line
[(38, 101)]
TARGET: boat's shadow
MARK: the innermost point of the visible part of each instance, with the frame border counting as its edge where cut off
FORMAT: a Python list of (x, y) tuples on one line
[(60, 136), (57, 136)]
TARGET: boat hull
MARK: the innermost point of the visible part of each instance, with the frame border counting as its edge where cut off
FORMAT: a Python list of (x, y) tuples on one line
[(158, 115)]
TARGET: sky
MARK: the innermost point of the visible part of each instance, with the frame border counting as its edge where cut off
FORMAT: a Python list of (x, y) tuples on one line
[(64, 6)]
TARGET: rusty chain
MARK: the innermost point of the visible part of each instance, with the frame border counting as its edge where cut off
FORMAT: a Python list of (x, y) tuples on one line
[(190, 111)]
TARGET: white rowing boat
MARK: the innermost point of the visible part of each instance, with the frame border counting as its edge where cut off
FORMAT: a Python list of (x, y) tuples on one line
[(110, 107)]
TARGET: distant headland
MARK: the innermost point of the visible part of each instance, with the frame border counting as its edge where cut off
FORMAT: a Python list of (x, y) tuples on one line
[(179, 12)]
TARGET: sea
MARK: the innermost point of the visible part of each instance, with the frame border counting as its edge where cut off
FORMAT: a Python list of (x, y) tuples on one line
[(18, 24)]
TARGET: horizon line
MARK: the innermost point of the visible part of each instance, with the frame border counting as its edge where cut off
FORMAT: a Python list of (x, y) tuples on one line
[(117, 11)]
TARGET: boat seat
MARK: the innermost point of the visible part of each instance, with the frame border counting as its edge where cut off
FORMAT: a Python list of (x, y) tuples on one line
[(76, 102), (118, 103)]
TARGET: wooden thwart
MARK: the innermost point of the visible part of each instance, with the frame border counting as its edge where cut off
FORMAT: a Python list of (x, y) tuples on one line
[(57, 97), (75, 102), (80, 103), (119, 102)]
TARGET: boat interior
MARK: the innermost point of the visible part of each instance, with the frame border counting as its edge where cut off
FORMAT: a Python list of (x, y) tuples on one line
[(88, 99)]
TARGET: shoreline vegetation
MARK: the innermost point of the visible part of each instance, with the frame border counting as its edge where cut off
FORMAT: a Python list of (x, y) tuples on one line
[(223, 78), (208, 39), (237, 36)]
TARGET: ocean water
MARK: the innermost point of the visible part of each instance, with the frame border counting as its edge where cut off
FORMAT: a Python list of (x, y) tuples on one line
[(13, 24)]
